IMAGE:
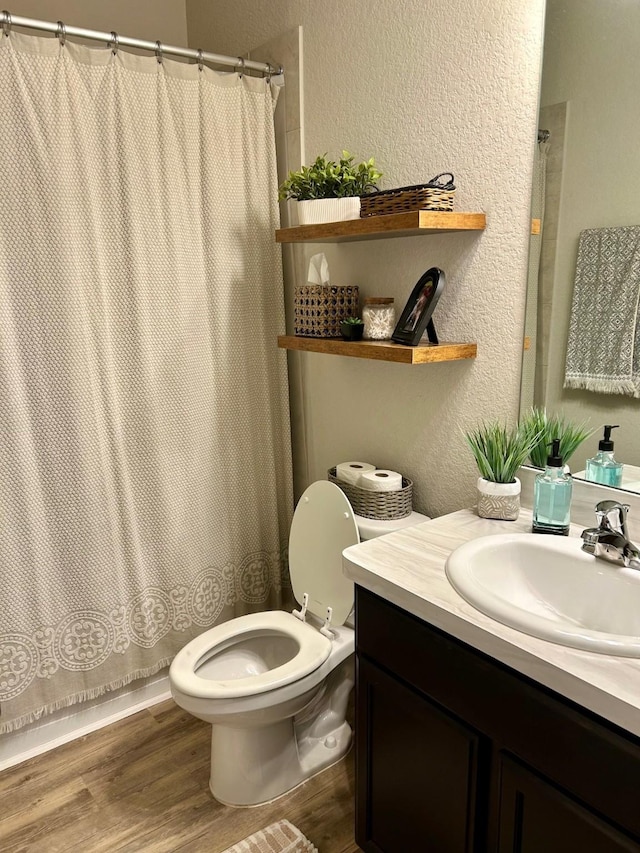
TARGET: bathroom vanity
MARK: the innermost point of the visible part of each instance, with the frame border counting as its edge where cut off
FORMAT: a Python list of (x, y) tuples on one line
[(472, 736)]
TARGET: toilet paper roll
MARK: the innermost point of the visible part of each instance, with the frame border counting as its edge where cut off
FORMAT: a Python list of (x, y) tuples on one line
[(381, 480), (350, 472)]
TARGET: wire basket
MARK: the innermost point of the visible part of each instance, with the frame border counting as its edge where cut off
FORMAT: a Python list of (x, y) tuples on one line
[(437, 194), (385, 506), (318, 310)]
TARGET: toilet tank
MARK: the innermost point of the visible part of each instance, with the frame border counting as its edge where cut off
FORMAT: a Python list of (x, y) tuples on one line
[(370, 528)]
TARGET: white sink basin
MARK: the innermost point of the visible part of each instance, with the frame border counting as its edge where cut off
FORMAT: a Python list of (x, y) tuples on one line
[(546, 586)]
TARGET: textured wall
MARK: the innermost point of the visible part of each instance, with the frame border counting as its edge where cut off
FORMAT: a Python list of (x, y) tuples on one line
[(451, 84), (145, 19)]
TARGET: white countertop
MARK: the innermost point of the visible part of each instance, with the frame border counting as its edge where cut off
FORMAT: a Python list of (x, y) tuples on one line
[(407, 569)]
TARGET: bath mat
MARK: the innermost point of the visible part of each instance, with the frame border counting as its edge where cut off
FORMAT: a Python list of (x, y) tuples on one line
[(279, 837)]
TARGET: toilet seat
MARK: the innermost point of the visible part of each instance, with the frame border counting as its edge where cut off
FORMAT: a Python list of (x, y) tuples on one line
[(313, 650)]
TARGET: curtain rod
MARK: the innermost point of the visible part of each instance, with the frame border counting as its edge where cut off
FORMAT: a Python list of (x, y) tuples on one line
[(114, 41)]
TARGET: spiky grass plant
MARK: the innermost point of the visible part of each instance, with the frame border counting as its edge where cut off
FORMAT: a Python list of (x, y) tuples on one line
[(500, 451), (537, 421)]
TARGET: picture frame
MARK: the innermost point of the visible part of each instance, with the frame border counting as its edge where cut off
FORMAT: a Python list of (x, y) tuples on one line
[(417, 313)]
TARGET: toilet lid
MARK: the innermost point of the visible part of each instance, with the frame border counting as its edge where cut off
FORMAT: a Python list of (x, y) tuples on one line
[(323, 526)]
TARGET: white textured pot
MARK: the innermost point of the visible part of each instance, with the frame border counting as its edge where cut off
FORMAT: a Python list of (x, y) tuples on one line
[(328, 210), (498, 500)]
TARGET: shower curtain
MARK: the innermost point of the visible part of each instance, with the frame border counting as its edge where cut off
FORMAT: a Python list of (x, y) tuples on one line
[(145, 474)]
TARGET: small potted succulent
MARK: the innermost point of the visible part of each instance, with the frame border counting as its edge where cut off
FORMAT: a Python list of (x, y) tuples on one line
[(329, 191), (499, 452), (351, 329)]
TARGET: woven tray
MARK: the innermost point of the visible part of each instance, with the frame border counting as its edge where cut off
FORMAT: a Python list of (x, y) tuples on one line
[(437, 194), (384, 506), (318, 311)]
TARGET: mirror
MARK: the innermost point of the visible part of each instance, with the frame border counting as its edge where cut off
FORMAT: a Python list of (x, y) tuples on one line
[(587, 177)]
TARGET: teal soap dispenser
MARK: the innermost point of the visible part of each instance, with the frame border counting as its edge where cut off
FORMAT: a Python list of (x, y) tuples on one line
[(603, 468), (552, 496)]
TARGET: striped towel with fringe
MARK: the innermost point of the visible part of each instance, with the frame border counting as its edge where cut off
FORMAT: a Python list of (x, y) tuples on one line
[(603, 348)]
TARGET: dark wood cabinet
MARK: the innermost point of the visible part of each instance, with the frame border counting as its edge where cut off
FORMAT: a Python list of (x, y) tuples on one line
[(457, 753)]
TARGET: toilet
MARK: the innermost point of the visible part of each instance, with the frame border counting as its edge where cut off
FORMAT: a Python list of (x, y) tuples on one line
[(275, 685)]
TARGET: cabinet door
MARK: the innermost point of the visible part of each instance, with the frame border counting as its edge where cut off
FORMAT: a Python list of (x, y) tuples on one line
[(422, 776), (535, 816)]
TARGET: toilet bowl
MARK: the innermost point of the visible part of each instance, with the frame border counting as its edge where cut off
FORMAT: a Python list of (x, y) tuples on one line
[(274, 685)]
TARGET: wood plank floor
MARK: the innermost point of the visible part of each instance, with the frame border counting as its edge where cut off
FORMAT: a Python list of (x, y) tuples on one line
[(142, 785)]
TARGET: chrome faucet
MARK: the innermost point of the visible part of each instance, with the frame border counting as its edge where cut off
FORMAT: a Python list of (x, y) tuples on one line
[(610, 541)]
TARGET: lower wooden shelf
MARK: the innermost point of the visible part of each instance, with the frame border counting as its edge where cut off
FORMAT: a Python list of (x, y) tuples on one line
[(381, 350)]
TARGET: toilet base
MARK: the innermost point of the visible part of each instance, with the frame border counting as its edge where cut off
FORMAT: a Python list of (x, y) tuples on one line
[(291, 790), (251, 767), (321, 753)]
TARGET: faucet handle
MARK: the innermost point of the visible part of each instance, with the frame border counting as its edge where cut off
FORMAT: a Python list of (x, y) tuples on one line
[(613, 515), (590, 539)]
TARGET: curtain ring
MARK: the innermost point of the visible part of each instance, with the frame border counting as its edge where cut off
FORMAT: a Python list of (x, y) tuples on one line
[(200, 60), (61, 32), (114, 44), (269, 72), (6, 22), (159, 52), (241, 58)]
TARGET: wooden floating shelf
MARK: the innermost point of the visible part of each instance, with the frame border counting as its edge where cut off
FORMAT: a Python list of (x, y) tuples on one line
[(377, 227), (381, 350)]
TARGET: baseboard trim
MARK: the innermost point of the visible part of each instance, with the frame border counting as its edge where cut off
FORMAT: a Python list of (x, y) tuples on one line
[(80, 720)]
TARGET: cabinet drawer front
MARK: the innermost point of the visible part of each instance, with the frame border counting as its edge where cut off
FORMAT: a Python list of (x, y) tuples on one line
[(577, 750)]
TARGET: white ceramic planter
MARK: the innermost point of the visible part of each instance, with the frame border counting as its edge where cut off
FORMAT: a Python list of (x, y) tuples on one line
[(328, 210), (498, 500)]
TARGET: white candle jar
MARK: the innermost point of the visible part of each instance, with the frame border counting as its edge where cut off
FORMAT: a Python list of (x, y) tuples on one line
[(379, 317)]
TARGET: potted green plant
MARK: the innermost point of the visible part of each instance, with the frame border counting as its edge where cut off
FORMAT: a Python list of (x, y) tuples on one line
[(329, 191), (548, 427), (351, 329), (499, 452)]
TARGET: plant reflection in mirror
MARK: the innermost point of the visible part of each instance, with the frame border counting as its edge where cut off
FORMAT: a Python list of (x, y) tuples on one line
[(538, 422)]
